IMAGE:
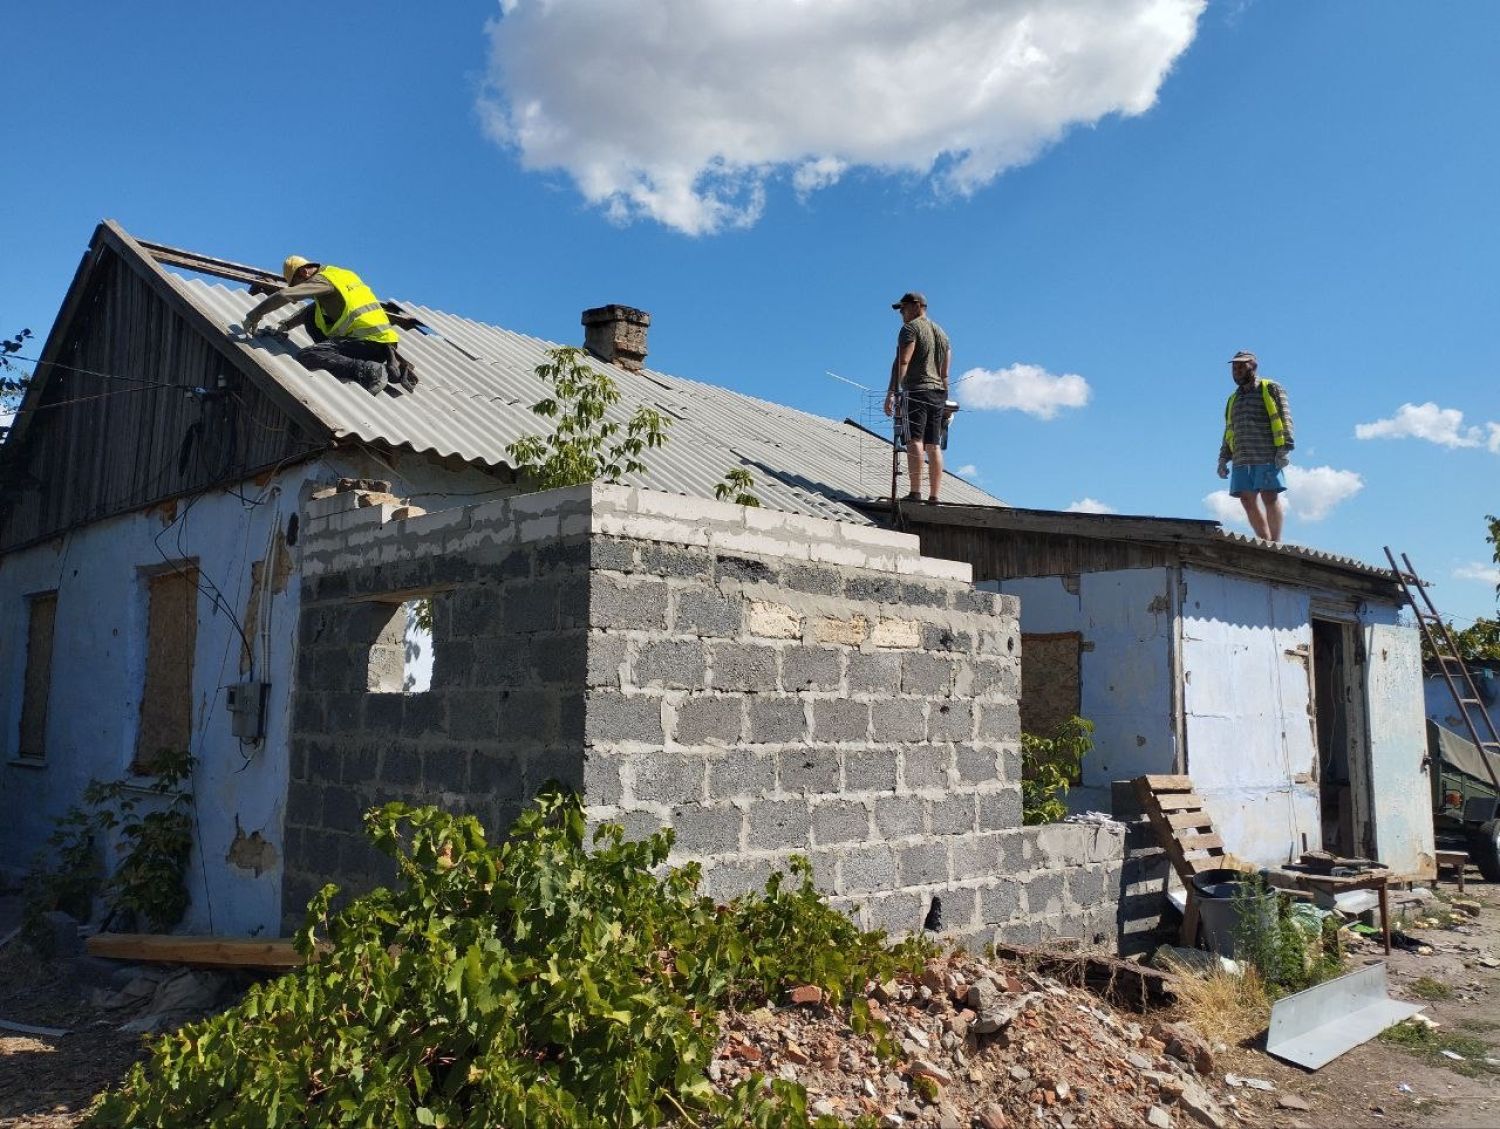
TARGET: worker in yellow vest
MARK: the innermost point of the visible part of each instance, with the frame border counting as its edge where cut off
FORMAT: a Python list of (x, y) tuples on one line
[(354, 339), (1258, 439)]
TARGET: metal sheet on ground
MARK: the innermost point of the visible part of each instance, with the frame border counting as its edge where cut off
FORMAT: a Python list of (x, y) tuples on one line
[(1315, 1026)]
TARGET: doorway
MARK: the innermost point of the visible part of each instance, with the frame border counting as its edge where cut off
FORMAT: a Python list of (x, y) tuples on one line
[(1339, 734)]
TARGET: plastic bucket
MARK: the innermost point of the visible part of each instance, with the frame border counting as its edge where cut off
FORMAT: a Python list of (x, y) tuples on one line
[(1222, 908)]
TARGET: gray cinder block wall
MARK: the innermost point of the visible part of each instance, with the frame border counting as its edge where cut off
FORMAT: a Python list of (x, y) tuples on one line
[(765, 683)]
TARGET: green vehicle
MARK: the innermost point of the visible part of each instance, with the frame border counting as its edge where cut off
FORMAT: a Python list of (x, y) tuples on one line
[(1465, 800)]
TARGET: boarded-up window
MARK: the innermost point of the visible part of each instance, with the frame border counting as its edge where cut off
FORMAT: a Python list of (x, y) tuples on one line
[(41, 616), (167, 699), (1049, 681)]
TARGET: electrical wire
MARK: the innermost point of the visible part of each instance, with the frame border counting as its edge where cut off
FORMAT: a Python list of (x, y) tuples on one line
[(96, 372)]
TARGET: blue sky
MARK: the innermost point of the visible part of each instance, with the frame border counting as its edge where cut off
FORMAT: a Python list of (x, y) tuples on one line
[(1314, 182)]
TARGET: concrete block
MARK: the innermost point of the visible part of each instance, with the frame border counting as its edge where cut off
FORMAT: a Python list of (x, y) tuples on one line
[(473, 715), (674, 560), (531, 605), (999, 721), (1010, 762), (976, 856), (528, 716), (875, 588), (497, 776), (1018, 848), (808, 771), (976, 764), (620, 605), (602, 782), (898, 913), (708, 612), (740, 773), (929, 676), (1002, 641), (850, 631), (400, 767), (1086, 886), (864, 869), (952, 815), (1044, 894), (1062, 845), (445, 769), (747, 570), (779, 720), (674, 778), (922, 864), (360, 766), (873, 537), (777, 824), (811, 668), (828, 552), (772, 621), (936, 569), (898, 719), (840, 720), (960, 911), (898, 817), (999, 903), (1000, 811), (939, 637), (609, 554), (897, 633), (873, 672), (871, 770), (611, 718), (708, 719), (915, 594), (816, 579), (926, 766), (343, 810), (743, 666), (729, 878), (840, 821), (674, 664), (704, 830), (606, 660)]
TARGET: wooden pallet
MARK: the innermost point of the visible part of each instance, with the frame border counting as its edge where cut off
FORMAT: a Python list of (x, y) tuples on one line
[(1186, 833)]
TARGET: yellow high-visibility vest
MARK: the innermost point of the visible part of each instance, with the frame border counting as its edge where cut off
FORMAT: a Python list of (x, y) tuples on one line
[(1278, 429), (362, 319)]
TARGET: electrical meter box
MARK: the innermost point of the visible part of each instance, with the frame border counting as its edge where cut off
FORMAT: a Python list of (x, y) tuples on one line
[(246, 703)]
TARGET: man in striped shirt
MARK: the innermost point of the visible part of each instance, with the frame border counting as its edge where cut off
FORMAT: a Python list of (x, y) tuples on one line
[(1258, 439)]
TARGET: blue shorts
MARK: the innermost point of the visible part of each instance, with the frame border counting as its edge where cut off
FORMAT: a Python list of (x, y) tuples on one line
[(1260, 478)]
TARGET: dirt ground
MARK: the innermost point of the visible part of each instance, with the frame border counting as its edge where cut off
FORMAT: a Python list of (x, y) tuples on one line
[(47, 1082)]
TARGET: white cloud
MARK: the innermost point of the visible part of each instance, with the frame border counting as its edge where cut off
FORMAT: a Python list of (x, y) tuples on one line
[(1089, 506), (1023, 388), (1313, 492), (968, 470), (1226, 508), (1443, 426), (1486, 574), (682, 110)]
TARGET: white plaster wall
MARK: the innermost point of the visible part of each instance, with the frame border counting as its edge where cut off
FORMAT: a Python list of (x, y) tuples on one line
[(1398, 744), (1126, 621), (1251, 747)]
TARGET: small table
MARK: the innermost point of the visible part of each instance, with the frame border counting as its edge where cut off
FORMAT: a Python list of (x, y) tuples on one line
[(1377, 880), (1458, 860)]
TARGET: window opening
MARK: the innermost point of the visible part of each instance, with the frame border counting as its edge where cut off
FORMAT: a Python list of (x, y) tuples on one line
[(167, 697), (41, 618), (401, 656)]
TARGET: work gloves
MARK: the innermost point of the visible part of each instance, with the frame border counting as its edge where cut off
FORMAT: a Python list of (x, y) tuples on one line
[(1223, 468), (250, 326), (1282, 458)]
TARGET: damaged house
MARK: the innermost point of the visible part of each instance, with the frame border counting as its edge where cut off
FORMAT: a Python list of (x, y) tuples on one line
[(180, 571)]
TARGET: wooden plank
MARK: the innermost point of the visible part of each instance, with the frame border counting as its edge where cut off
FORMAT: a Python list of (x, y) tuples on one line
[(207, 952), (1169, 783), (1180, 820), (1200, 842), (1122, 982), (1186, 802)]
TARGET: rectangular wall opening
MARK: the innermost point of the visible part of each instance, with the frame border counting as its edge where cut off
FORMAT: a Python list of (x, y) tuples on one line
[(401, 655), (1337, 730), (171, 637), (41, 619)]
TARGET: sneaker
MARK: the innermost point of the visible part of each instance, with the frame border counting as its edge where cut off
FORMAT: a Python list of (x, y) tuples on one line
[(374, 379)]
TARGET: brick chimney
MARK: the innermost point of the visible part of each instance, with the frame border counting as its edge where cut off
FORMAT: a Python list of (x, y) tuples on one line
[(616, 334)]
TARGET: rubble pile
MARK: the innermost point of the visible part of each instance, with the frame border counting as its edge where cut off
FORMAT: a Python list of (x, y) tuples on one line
[(976, 1043)]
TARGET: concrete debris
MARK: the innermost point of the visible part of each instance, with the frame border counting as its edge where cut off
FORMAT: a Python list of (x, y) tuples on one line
[(1236, 1080), (979, 1043), (1292, 1101)]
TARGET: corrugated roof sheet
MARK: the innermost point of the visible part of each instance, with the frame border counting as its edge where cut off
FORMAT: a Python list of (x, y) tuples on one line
[(478, 382)]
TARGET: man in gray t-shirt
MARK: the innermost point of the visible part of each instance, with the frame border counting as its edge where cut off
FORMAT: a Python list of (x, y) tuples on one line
[(920, 373)]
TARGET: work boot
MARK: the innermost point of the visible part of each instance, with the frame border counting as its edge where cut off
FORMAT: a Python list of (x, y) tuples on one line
[(372, 376)]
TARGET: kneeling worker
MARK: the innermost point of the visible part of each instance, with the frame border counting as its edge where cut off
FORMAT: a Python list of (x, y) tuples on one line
[(354, 338)]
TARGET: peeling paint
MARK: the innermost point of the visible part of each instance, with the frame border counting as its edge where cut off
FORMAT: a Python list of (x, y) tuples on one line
[(251, 852)]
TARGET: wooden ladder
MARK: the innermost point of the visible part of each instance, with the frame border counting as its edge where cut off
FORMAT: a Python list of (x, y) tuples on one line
[(1186, 833), (1456, 674)]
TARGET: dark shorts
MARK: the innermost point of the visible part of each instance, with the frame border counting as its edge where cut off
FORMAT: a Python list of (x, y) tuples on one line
[(924, 417)]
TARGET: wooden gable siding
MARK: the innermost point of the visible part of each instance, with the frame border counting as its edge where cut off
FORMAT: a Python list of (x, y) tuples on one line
[(100, 446), (1005, 555)]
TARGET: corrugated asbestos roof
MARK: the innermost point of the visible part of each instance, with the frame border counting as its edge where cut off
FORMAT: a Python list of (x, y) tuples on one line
[(478, 382)]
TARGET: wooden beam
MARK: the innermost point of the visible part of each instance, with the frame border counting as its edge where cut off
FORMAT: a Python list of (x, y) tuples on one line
[(202, 952), (1170, 783), (1122, 982), (1174, 802), (1182, 820), (1201, 842)]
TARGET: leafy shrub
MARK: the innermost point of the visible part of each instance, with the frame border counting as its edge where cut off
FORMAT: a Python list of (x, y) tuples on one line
[(738, 486), (154, 820), (584, 446), (536, 983), (1291, 951), (1049, 766)]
